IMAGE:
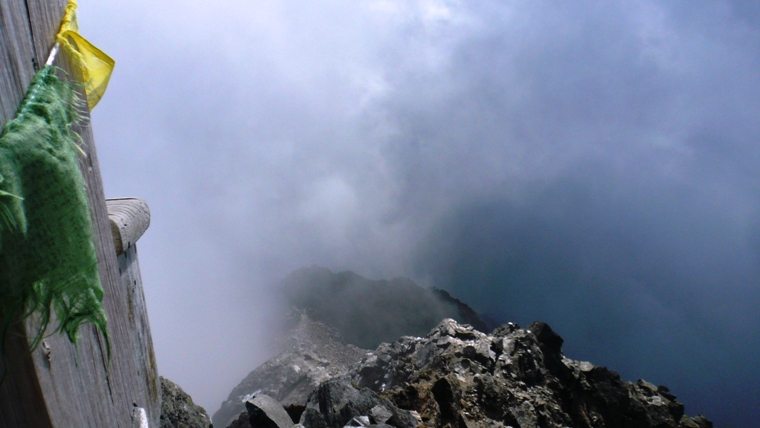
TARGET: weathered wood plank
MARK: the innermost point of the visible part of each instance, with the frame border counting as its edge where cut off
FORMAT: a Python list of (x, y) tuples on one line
[(80, 386), (62, 385), (126, 385), (145, 359), (16, 59), (130, 218), (21, 398), (45, 21)]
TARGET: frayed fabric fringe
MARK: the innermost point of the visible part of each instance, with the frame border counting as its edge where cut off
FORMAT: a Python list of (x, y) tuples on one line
[(48, 260)]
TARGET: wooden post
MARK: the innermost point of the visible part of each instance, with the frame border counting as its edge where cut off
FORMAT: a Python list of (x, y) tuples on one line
[(59, 385)]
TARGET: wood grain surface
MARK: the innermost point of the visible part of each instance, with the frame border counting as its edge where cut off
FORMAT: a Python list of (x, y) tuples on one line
[(61, 385), (130, 218)]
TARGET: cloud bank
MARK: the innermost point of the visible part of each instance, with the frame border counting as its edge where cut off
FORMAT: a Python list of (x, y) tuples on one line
[(593, 166)]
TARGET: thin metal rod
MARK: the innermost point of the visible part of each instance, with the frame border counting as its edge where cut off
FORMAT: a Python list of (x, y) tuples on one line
[(53, 53)]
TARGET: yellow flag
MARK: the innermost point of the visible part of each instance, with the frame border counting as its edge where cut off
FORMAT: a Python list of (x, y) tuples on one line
[(93, 64)]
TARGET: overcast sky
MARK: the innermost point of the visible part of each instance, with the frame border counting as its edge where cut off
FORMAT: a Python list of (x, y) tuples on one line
[(590, 164)]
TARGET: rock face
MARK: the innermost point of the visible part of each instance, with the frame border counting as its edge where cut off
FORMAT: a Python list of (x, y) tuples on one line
[(456, 376), (337, 403), (372, 312), (265, 412), (314, 354), (242, 421), (178, 409), (459, 377)]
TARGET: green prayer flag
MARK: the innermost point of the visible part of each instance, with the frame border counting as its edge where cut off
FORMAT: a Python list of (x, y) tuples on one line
[(48, 261)]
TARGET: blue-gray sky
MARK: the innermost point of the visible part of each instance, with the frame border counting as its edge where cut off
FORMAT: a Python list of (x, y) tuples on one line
[(590, 164)]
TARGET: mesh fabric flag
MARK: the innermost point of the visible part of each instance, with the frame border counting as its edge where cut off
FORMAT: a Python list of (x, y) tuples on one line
[(48, 263)]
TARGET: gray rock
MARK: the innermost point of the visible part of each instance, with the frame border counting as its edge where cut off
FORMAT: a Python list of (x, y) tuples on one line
[(380, 414), (336, 403), (698, 421), (265, 412), (363, 421), (457, 376), (241, 421), (178, 409), (372, 312), (312, 354), (358, 421)]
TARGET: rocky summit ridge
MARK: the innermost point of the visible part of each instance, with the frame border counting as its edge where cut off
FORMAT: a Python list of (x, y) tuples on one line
[(459, 377), (423, 372)]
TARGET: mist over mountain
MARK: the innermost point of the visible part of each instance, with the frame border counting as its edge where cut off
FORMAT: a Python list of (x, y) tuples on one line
[(450, 376), (590, 164), (367, 312)]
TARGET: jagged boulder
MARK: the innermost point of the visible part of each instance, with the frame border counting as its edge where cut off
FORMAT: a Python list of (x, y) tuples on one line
[(457, 376), (242, 421), (337, 403), (265, 412), (178, 409)]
